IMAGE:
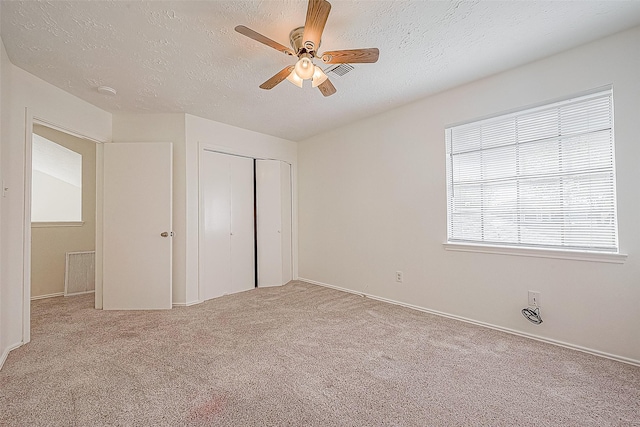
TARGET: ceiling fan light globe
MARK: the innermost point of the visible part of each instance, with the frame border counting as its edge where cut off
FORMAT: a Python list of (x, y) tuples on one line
[(293, 78), (318, 76), (304, 68)]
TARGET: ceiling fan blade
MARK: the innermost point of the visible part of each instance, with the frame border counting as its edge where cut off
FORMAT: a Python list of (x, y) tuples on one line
[(354, 56), (262, 39), (273, 81), (317, 14), (327, 88)]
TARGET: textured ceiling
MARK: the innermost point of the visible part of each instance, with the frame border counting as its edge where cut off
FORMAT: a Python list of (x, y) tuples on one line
[(184, 56)]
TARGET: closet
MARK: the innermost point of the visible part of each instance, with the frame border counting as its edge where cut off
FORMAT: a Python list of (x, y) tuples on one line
[(245, 224)]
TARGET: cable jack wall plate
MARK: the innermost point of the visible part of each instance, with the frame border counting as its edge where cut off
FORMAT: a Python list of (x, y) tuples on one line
[(534, 299)]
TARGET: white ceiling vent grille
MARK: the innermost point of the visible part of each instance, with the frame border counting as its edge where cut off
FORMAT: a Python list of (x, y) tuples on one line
[(340, 69)]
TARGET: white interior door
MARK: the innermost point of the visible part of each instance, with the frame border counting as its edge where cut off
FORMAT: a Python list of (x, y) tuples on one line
[(227, 262), (273, 205), (137, 207)]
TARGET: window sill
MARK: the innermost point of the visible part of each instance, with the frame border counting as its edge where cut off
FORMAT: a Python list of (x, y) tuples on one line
[(538, 253), (57, 224)]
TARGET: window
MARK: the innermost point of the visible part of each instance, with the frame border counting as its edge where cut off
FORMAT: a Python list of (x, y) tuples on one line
[(538, 178), (56, 194)]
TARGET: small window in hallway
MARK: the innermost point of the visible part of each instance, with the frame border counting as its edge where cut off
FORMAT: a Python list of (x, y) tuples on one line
[(56, 194)]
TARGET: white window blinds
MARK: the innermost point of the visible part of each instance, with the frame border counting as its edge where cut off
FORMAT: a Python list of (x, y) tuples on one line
[(542, 177)]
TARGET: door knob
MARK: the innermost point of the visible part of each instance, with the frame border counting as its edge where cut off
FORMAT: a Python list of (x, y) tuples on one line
[(164, 234)]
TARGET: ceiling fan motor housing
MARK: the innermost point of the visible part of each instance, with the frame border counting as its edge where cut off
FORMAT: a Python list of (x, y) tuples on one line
[(298, 44)]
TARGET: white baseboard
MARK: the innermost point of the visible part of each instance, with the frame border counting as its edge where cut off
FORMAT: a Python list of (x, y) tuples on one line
[(57, 294), (486, 325), (186, 304), (79, 293), (5, 354)]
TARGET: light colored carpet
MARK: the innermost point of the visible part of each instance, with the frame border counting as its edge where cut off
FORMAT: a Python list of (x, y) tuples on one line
[(299, 355)]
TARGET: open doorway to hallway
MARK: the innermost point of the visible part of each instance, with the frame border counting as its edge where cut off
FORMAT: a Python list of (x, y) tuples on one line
[(63, 214)]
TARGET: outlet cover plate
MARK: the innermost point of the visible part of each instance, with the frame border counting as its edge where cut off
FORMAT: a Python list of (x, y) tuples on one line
[(399, 276)]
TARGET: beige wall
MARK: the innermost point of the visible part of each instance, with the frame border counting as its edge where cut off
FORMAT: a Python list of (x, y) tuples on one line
[(4, 95), (50, 243), (372, 200)]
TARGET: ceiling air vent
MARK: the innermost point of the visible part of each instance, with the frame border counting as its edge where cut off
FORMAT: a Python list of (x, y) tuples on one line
[(340, 69)]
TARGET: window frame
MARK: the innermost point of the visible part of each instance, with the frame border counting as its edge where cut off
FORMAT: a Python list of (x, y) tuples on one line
[(61, 223), (51, 224), (523, 249)]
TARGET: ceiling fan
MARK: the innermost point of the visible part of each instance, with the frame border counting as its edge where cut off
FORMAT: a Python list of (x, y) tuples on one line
[(305, 42)]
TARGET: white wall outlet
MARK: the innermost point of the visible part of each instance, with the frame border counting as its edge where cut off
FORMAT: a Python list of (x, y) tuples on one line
[(399, 276), (534, 298)]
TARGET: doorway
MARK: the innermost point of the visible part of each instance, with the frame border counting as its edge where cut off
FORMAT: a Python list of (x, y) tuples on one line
[(30, 122), (63, 213)]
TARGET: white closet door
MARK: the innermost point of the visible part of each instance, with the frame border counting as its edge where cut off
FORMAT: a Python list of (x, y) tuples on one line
[(242, 225), (227, 263), (285, 198), (215, 225), (273, 193)]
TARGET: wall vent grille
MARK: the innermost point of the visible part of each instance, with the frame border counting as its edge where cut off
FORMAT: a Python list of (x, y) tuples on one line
[(79, 273)]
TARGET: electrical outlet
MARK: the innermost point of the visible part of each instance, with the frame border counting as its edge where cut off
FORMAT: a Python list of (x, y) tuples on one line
[(399, 276), (534, 299)]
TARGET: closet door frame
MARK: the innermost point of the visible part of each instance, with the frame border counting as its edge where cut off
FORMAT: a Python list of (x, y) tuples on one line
[(257, 154)]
